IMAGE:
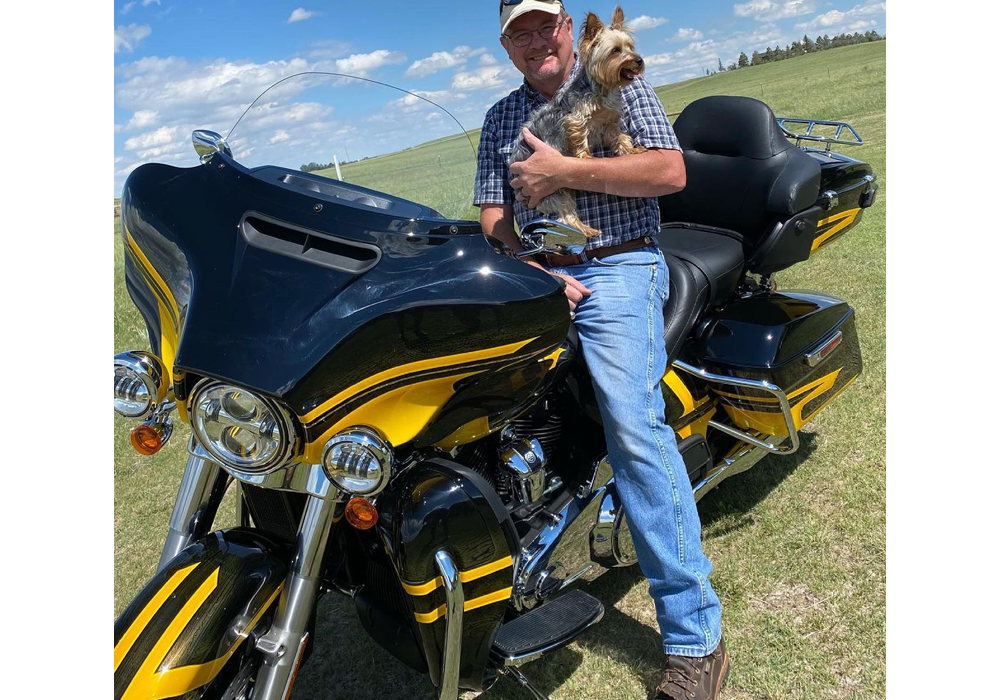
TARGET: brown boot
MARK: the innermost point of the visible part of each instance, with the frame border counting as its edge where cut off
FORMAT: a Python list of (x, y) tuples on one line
[(693, 678)]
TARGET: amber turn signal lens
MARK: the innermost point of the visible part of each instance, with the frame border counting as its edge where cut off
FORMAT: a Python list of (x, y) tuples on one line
[(146, 439), (361, 513)]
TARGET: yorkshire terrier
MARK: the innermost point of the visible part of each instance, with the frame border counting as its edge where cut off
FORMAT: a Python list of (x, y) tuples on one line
[(587, 110)]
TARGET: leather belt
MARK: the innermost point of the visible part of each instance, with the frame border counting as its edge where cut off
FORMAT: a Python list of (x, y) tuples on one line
[(554, 260)]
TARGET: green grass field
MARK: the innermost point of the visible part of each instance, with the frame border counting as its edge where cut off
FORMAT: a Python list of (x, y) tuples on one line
[(798, 543)]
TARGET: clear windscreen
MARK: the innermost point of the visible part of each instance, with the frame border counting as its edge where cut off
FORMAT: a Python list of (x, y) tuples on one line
[(362, 132)]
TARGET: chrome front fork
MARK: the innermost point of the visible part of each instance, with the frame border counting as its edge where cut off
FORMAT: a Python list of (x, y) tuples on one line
[(284, 643), (201, 491)]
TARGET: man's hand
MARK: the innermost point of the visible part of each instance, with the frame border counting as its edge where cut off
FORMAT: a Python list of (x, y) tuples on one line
[(541, 174), (575, 291)]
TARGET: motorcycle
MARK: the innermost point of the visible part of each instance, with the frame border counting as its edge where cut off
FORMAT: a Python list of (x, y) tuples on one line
[(401, 403)]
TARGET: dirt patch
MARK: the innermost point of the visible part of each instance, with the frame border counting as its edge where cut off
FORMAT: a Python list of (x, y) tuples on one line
[(795, 600)]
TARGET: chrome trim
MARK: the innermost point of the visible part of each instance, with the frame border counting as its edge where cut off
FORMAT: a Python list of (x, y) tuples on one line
[(207, 143), (298, 477), (610, 539), (455, 601), (759, 385), (815, 357), (829, 199), (288, 632), (524, 460), (809, 136), (549, 236), (197, 502), (731, 466)]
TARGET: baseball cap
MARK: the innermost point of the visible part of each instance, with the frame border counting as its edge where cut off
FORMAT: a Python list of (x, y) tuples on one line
[(512, 9)]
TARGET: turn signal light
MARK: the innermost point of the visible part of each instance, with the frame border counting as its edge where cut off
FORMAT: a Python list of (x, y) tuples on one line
[(360, 513), (149, 437)]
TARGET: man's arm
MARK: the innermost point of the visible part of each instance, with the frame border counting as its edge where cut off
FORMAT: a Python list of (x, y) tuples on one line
[(651, 174)]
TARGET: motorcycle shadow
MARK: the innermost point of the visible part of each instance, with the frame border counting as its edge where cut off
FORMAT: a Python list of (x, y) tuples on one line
[(347, 663)]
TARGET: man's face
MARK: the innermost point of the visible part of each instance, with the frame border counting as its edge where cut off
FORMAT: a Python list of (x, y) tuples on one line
[(541, 59)]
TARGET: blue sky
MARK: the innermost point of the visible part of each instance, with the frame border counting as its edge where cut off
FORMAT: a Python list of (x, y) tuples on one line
[(186, 65)]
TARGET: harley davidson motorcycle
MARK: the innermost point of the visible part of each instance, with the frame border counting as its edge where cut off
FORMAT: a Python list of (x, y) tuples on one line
[(402, 404)]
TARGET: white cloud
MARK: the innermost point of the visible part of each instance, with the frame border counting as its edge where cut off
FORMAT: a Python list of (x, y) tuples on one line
[(301, 13), (151, 138), (485, 77), (279, 136), (127, 7), (140, 120), (127, 38), (361, 63), (851, 20), (687, 34), (696, 56), (487, 60), (149, 2), (645, 22), (443, 60), (770, 10)]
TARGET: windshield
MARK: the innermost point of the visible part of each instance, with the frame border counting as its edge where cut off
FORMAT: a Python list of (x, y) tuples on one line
[(362, 132)]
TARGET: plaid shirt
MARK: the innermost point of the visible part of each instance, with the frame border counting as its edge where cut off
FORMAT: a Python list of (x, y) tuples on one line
[(618, 218)]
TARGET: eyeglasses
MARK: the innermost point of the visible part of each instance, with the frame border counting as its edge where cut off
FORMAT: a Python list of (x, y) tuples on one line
[(546, 32)]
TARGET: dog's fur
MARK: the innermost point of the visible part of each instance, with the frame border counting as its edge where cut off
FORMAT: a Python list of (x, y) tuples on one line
[(587, 110)]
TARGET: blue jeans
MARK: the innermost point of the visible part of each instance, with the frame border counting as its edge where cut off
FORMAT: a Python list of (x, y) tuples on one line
[(621, 336)]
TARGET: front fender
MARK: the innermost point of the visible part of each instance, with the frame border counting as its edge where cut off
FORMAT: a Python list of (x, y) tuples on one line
[(186, 623)]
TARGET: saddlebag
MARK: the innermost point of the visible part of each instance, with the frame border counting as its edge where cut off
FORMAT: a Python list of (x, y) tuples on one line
[(803, 342)]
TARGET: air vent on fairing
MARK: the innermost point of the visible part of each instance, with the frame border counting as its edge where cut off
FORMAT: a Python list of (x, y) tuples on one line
[(308, 245)]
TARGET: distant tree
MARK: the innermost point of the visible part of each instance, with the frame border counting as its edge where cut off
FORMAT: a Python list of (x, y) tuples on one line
[(768, 55), (743, 61), (756, 59), (807, 44), (732, 66), (720, 66)]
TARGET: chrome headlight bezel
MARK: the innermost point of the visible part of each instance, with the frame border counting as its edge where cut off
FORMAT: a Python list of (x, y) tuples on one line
[(146, 372), (361, 442), (283, 424)]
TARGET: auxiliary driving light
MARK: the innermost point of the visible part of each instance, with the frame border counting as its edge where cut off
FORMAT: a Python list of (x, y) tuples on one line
[(358, 461), (141, 382), (241, 429)]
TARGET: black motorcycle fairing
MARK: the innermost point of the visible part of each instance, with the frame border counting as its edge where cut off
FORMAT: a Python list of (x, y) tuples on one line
[(439, 504), (188, 621), (439, 305)]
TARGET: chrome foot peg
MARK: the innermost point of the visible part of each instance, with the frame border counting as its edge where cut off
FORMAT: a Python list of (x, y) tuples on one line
[(516, 674)]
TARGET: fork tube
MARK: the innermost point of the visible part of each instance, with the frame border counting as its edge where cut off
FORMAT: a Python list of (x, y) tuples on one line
[(284, 643), (198, 498)]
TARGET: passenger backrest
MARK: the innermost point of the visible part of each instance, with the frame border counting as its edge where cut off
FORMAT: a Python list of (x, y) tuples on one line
[(742, 173)]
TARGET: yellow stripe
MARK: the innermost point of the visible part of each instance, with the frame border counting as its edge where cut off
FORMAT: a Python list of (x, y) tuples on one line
[(464, 576), (177, 681), (553, 356), (676, 385), (143, 618), (144, 683), (169, 317), (840, 222), (411, 367), (494, 597)]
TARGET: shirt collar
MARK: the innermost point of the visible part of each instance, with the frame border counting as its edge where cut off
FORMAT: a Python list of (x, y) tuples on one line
[(534, 96)]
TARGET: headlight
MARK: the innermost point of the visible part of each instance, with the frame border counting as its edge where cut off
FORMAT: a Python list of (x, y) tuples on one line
[(141, 382), (239, 428), (358, 461)]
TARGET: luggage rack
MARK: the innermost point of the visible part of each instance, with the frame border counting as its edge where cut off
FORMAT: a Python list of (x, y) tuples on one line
[(808, 135)]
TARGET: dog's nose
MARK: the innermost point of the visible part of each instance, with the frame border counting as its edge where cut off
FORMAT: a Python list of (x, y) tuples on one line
[(639, 61)]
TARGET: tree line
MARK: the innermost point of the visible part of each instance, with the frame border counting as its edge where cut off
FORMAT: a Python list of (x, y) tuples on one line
[(797, 48)]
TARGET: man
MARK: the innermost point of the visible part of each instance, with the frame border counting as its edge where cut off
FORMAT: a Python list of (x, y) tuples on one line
[(617, 289)]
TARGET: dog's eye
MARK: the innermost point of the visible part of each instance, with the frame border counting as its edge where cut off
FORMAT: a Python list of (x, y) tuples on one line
[(616, 51)]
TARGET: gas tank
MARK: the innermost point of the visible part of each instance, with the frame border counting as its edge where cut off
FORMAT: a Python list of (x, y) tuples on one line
[(346, 305)]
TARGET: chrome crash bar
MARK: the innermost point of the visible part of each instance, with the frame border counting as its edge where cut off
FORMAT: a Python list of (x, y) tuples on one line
[(759, 385)]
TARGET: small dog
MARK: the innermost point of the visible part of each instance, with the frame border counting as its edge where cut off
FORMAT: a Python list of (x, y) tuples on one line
[(587, 110)]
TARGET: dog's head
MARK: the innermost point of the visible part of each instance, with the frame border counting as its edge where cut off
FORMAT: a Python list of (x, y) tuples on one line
[(608, 52)]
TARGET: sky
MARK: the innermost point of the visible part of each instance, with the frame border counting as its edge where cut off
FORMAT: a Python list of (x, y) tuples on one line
[(182, 65)]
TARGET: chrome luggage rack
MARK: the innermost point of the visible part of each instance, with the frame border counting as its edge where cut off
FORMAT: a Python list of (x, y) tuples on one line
[(808, 135)]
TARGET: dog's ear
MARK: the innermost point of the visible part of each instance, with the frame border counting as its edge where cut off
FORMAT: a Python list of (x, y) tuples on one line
[(591, 26), (618, 18)]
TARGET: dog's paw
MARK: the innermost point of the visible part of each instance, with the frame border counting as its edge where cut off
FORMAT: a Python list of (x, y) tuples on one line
[(623, 146)]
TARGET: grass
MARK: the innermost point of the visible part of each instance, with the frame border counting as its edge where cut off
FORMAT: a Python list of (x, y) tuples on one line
[(798, 543)]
